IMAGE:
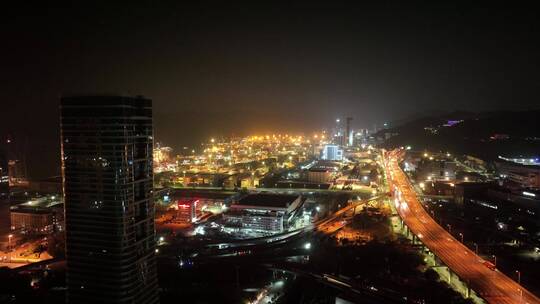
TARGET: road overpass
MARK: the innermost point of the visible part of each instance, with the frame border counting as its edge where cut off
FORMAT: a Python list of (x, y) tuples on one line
[(280, 190), (226, 249), (491, 285)]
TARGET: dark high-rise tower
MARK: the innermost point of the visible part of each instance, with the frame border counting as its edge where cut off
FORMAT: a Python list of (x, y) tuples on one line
[(5, 220), (349, 135), (107, 178), (4, 177)]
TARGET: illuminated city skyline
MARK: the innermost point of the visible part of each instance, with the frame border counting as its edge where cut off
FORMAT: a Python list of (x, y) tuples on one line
[(270, 153)]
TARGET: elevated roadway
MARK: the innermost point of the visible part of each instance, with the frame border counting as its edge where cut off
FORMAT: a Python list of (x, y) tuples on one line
[(491, 284), (282, 190), (324, 225)]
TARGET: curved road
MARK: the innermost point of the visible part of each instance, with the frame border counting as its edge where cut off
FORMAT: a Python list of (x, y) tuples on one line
[(321, 225), (492, 285)]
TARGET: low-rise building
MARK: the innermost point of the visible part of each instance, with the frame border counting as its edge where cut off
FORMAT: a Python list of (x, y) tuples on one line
[(263, 212), (38, 216), (186, 211), (32, 220), (332, 152), (319, 175), (520, 175), (17, 173), (475, 163), (212, 201), (436, 170), (248, 180)]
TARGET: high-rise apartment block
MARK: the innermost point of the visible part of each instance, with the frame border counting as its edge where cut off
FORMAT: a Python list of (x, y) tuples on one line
[(107, 148)]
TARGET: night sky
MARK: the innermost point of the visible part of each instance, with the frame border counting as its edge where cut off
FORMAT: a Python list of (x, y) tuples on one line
[(236, 69)]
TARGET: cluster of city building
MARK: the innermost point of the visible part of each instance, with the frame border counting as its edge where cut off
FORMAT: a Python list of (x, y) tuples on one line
[(117, 189), (241, 213), (254, 160), (323, 160), (238, 161), (28, 210), (506, 190), (198, 193)]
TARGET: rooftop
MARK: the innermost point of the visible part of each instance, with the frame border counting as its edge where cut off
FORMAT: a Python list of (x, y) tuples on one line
[(318, 170), (530, 164), (184, 193), (37, 204), (268, 200)]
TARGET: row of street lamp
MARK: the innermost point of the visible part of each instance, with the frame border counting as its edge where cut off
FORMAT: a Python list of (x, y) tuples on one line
[(476, 252)]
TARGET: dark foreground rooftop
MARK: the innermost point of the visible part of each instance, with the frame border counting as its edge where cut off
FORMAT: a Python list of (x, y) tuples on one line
[(268, 200)]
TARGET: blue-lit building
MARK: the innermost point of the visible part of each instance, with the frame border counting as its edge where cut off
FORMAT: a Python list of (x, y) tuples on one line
[(332, 152)]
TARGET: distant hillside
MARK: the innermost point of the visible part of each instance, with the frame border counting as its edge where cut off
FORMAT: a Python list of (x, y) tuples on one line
[(486, 134)]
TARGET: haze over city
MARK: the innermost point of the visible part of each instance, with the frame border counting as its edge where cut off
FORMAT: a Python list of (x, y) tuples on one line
[(246, 68)]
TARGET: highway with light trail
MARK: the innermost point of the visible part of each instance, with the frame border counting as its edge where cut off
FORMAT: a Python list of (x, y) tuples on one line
[(491, 285)]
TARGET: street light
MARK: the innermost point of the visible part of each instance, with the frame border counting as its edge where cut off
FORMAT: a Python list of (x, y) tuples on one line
[(519, 276), (449, 228), (476, 248), (494, 260), (461, 235)]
